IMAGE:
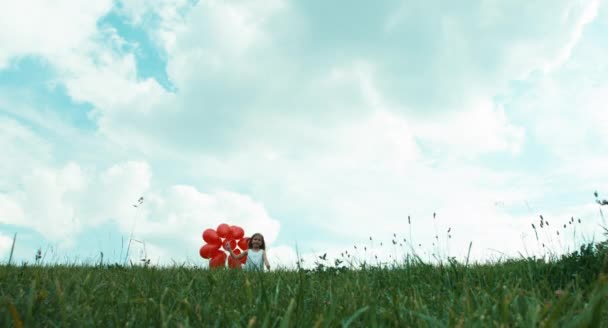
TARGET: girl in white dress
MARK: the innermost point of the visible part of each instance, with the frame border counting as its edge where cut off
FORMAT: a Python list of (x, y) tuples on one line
[(255, 252)]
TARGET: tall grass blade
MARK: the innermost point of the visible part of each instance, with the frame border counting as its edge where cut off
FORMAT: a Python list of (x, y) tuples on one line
[(469, 253), (10, 257), (355, 315)]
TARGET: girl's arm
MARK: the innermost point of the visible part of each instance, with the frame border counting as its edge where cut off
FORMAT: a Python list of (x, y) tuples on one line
[(266, 261), (235, 256)]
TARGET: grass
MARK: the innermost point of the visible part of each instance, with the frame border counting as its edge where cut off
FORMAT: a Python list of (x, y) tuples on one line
[(553, 291), (570, 291)]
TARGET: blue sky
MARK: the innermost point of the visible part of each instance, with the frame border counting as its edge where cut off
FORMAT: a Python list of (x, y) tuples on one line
[(320, 124)]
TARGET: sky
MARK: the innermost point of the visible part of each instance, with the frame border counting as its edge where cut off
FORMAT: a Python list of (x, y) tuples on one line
[(372, 128)]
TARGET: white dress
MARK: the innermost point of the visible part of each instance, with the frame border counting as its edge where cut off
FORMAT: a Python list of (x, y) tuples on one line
[(255, 260)]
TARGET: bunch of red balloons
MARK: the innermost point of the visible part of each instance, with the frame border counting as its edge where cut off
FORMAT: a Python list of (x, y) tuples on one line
[(216, 239)]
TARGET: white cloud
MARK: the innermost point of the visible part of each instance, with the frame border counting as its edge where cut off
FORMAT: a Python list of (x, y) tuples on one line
[(43, 202), (236, 26), (114, 86), (334, 138), (566, 114), (474, 49), (480, 127), (59, 203), (5, 245), (282, 257), (590, 11), (183, 208), (368, 177), (594, 102), (33, 27), (162, 20), (150, 108), (483, 128), (13, 158), (217, 35), (198, 59), (93, 62), (63, 202)]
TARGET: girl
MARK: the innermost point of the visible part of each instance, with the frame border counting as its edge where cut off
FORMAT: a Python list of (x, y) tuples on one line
[(256, 253)]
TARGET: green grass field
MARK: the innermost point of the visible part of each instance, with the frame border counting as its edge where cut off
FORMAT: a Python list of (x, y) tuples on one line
[(567, 292)]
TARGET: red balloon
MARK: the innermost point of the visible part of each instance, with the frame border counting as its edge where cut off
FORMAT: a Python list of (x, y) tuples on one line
[(237, 232), (218, 261), (243, 243), (223, 230), (208, 251), (233, 263), (243, 259), (211, 237), (231, 242), (217, 239)]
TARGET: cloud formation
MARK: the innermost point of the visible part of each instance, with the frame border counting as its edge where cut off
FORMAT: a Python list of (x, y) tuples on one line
[(312, 127)]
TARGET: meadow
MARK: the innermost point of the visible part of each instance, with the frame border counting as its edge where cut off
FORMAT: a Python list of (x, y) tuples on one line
[(570, 291)]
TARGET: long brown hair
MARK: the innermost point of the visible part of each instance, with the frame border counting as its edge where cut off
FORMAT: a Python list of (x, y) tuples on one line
[(263, 246)]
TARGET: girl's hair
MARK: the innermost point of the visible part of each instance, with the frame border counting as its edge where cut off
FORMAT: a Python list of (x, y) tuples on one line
[(263, 246)]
